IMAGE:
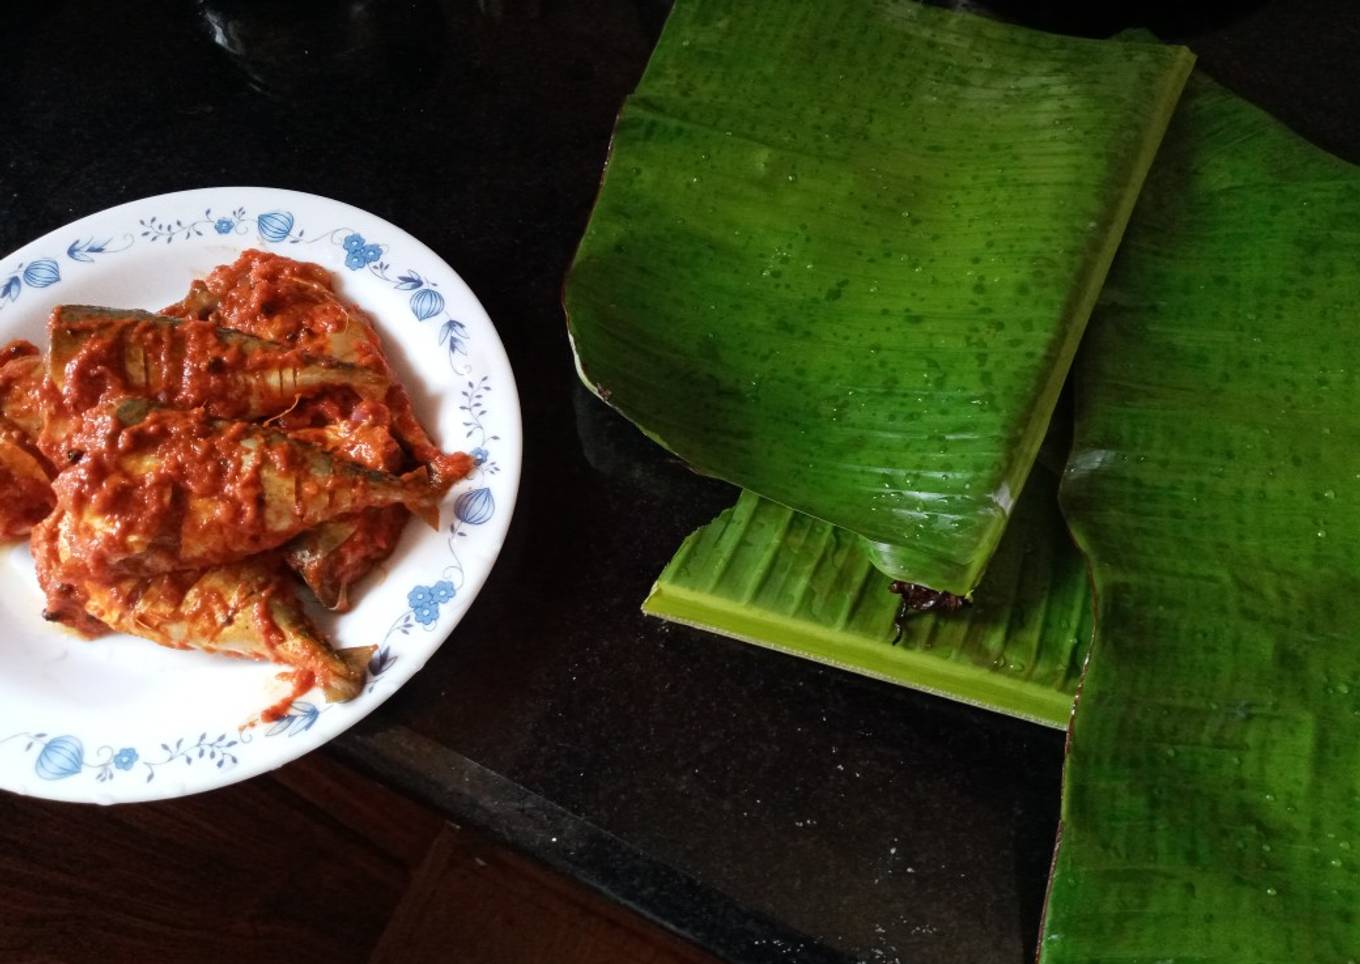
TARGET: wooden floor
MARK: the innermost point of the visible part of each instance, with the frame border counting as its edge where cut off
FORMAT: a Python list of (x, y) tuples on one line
[(310, 863)]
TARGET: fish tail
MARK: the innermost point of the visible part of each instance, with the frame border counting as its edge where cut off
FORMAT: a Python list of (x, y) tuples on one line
[(351, 671), (340, 672)]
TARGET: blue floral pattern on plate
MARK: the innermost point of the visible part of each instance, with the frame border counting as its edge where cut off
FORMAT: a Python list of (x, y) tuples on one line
[(61, 757), (272, 228), (64, 756)]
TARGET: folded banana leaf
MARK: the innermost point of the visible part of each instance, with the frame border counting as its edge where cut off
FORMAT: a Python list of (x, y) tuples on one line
[(1212, 792), (843, 254), (768, 575)]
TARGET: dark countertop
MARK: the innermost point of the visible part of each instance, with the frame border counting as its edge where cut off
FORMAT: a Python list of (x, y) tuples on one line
[(769, 808)]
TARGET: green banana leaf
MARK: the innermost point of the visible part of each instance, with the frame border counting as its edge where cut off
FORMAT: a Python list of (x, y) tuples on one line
[(768, 575), (1212, 791), (843, 254)]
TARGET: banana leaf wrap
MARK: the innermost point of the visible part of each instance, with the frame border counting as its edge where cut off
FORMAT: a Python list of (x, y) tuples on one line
[(1211, 804), (843, 255)]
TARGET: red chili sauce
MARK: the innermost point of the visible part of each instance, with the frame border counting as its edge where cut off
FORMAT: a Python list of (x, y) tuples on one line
[(146, 454)]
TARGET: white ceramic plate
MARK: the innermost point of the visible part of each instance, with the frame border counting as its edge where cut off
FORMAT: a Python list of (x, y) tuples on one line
[(120, 719)]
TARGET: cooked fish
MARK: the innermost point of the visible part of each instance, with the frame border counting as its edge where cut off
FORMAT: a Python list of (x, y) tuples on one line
[(62, 581), (189, 364), (196, 454), (293, 302), (159, 489), (25, 484), (336, 554), (247, 608), (244, 609), (24, 473), (21, 388)]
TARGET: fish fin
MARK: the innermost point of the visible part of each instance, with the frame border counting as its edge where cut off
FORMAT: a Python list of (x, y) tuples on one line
[(423, 502), (452, 467), (427, 511)]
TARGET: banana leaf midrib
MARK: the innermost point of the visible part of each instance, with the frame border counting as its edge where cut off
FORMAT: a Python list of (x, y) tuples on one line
[(935, 675), (764, 574)]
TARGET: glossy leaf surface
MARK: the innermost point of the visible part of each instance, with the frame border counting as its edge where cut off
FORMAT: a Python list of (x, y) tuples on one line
[(1212, 791), (843, 255)]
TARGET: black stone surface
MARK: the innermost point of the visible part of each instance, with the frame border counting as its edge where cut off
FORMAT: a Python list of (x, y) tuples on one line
[(769, 808)]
